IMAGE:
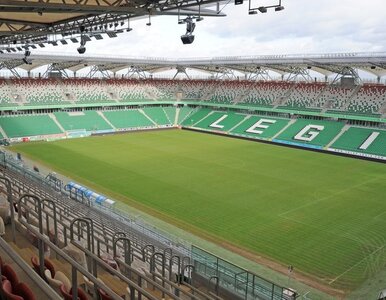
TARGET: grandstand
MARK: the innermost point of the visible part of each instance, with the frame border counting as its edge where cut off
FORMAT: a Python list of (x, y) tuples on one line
[(87, 245)]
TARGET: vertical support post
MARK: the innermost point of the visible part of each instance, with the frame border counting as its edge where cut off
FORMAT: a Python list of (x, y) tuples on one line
[(8, 185), (74, 282)]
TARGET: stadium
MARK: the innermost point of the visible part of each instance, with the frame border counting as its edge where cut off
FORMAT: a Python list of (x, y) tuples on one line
[(263, 177)]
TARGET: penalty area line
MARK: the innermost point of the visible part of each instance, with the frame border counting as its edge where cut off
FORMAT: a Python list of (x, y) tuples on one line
[(359, 262)]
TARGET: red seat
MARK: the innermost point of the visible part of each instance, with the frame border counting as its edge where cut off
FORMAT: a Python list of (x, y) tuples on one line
[(10, 274), (103, 295), (24, 291), (47, 265), (7, 291), (68, 295)]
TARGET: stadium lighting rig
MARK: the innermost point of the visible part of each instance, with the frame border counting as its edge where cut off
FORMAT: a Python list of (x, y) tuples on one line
[(261, 9), (31, 22), (188, 37), (26, 60)]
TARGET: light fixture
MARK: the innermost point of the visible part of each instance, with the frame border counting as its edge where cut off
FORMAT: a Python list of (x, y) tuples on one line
[(149, 23), (252, 12), (82, 49), (188, 37), (279, 8), (27, 61), (262, 9)]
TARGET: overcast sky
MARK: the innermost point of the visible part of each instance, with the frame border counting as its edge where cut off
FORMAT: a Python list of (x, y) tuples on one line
[(305, 26)]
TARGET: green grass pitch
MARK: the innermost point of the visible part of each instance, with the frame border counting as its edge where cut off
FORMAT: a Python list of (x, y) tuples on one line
[(324, 214)]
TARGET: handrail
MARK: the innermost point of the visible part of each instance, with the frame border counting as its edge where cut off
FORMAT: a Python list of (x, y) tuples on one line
[(54, 217), (8, 185), (75, 265), (126, 248), (122, 277), (40, 218), (175, 285), (27, 269)]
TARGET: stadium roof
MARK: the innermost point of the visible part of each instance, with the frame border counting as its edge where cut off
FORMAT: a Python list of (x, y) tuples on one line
[(35, 22), (345, 64)]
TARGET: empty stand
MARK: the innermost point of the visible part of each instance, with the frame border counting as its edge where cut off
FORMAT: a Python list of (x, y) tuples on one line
[(28, 125), (158, 115), (311, 132), (354, 140), (125, 119), (305, 96), (88, 120)]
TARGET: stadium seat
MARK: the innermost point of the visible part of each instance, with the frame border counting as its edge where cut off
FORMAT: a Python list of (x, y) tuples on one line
[(10, 274), (47, 264), (24, 291), (104, 295), (8, 292), (67, 294)]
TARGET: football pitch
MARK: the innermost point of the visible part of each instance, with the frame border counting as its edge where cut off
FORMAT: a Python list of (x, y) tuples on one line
[(324, 214)]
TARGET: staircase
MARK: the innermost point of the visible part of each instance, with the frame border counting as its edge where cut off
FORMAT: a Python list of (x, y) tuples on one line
[(52, 116), (344, 129), (104, 118), (177, 115), (382, 109), (3, 133), (150, 119), (283, 129), (64, 92), (355, 91), (239, 123), (283, 99)]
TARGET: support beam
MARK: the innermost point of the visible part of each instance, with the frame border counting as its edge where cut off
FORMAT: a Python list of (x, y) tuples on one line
[(181, 70)]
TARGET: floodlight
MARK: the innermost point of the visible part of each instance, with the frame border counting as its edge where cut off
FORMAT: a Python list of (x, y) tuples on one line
[(98, 37), (111, 34), (252, 12), (279, 8), (238, 2), (81, 49), (262, 9), (187, 38)]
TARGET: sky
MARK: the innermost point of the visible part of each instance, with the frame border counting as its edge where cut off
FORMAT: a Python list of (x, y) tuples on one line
[(303, 27)]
